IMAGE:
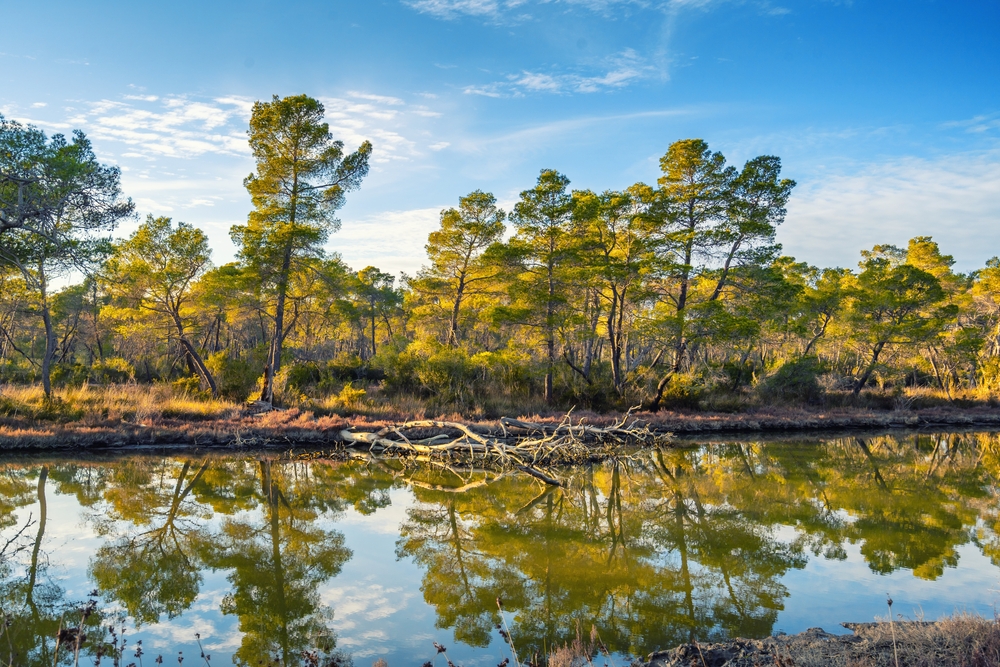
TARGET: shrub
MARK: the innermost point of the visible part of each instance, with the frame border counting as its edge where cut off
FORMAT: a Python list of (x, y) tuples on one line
[(351, 397), (507, 370), (112, 370), (235, 378), (448, 374), (187, 385), (302, 375), (73, 374), (685, 390), (795, 380)]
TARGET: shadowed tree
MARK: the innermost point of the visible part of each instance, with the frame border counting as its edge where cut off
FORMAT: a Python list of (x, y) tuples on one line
[(545, 245), (893, 303), (54, 198), (302, 178), (455, 252), (378, 298), (155, 270)]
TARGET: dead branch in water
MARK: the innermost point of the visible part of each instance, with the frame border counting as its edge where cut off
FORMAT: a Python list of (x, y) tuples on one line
[(517, 445)]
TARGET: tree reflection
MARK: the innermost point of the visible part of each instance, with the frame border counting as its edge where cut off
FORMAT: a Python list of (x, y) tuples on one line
[(654, 549), (156, 571), (277, 560), (684, 544)]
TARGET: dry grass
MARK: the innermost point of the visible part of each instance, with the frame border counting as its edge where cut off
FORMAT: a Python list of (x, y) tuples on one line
[(93, 405), (961, 640)]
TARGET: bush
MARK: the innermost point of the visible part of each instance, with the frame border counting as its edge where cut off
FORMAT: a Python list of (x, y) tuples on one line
[(73, 374), (302, 375), (989, 376), (188, 385), (796, 380), (351, 397), (112, 370), (507, 370), (685, 390), (235, 378), (447, 374)]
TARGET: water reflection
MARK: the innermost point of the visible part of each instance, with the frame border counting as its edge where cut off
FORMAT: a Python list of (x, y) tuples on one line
[(654, 549)]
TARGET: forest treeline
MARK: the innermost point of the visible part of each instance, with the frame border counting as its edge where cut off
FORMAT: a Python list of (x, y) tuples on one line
[(666, 295)]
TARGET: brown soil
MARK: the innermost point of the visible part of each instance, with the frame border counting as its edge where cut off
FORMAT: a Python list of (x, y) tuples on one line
[(292, 428)]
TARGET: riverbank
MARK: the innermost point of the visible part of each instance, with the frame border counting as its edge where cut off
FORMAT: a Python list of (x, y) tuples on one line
[(241, 426), (963, 639)]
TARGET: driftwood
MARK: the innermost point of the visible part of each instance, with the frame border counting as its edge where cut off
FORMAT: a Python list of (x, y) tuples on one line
[(516, 445)]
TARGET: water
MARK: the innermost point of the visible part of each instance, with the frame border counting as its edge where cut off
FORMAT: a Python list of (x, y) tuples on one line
[(266, 558)]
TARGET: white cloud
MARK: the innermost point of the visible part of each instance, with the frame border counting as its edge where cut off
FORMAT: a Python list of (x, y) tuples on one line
[(501, 10), (39, 105), (175, 126), (449, 9), (393, 240), (977, 124), (955, 199), (381, 99), (617, 71)]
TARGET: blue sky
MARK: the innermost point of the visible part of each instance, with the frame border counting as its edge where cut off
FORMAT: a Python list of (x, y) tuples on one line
[(886, 113)]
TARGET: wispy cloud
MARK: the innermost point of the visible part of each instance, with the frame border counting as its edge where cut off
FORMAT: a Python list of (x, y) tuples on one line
[(618, 71), (450, 9), (175, 126), (381, 99), (978, 124), (504, 11)]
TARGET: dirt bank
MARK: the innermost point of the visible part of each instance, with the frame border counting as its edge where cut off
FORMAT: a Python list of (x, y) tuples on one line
[(971, 641), (292, 428)]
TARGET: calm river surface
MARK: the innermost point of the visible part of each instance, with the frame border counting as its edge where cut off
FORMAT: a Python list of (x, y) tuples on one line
[(266, 557)]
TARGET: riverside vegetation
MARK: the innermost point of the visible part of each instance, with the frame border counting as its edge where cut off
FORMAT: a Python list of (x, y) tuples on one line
[(670, 546), (672, 295)]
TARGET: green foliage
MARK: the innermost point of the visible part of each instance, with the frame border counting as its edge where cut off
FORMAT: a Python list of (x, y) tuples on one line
[(301, 180), (685, 390), (672, 294), (189, 385), (112, 370), (794, 381), (236, 377), (70, 374)]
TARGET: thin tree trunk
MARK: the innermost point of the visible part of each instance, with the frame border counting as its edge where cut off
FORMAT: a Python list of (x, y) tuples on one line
[(274, 356), (194, 358), (43, 475), (50, 345), (863, 380), (453, 327)]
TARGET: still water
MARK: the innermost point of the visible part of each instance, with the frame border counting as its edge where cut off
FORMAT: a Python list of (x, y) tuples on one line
[(265, 557)]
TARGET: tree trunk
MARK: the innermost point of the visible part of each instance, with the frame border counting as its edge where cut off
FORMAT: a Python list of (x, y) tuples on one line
[(374, 351), (550, 328), (453, 327), (50, 346), (273, 364), (614, 340), (863, 380), (43, 475), (194, 358)]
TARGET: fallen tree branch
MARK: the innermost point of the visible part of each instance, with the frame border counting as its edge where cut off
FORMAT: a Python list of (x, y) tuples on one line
[(563, 443)]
